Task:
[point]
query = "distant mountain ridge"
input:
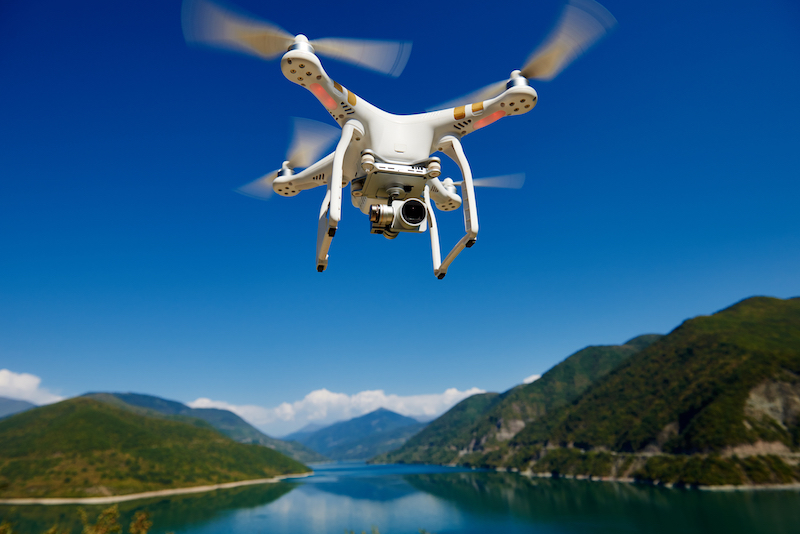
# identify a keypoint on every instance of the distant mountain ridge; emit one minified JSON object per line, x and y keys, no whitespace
{"x":224,"y":421}
{"x":82,"y":447}
{"x":12,"y":406}
{"x":362,"y":437}
{"x":484,"y":421}
{"x":304,"y":432}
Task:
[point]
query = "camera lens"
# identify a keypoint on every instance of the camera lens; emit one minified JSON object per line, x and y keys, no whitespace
{"x":413,"y":212}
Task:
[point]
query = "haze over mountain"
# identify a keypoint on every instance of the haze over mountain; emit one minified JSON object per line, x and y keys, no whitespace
{"x":224,"y":421}
{"x":12,"y":406}
{"x":362,"y":437}
{"x":304,"y":432}
{"x":83,"y":447}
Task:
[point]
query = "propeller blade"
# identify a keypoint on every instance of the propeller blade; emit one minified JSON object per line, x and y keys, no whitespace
{"x":484,"y":93}
{"x":506,"y":181}
{"x":309,"y":141}
{"x":582,"y":23}
{"x":261,"y":188}
{"x":386,"y":57}
{"x":208,"y":23}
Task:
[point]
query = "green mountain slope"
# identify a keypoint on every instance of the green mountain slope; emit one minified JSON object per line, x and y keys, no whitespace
{"x":363,"y":437}
{"x":715,"y":383}
{"x":435,"y":443}
{"x":484,"y":423}
{"x":82,"y":447}
{"x":225,"y":421}
{"x":12,"y":406}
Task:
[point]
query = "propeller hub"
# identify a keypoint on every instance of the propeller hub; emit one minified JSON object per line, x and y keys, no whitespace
{"x":516,"y":79}
{"x":286,"y":170}
{"x":301,"y":43}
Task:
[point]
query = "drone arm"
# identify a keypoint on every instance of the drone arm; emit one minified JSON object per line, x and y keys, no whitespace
{"x":314,"y":176}
{"x":451,"y":146}
{"x":331,"y":211}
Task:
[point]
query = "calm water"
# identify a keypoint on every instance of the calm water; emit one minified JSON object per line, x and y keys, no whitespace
{"x":403,"y":499}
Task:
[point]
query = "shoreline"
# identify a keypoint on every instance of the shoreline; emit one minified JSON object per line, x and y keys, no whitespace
{"x":628,"y":480}
{"x":111,"y":499}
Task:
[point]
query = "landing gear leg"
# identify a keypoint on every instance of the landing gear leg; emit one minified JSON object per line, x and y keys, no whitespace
{"x":451,"y":146}
{"x":331,"y":211}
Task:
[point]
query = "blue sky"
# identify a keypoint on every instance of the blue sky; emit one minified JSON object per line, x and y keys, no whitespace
{"x":662,"y":183}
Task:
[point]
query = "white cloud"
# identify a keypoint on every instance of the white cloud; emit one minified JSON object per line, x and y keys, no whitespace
{"x":324,"y":406}
{"x":532,"y":378}
{"x":25,"y":386}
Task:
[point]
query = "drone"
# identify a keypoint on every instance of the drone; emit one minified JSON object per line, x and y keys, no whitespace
{"x":388,"y":160}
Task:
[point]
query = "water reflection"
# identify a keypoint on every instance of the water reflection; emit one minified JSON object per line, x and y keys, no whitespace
{"x":574,"y":505}
{"x":373,"y":483}
{"x":177,"y":513}
{"x":402,"y":499}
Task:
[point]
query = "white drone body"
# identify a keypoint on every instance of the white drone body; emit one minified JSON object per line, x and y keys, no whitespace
{"x":388,"y":159}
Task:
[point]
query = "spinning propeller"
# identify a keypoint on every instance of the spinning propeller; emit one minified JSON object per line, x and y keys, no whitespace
{"x":506,"y":181}
{"x":205,"y":22}
{"x":309,"y":141}
{"x":582,"y":23}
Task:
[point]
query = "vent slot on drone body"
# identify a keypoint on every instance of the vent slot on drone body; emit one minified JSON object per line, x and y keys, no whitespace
{"x":319,"y":177}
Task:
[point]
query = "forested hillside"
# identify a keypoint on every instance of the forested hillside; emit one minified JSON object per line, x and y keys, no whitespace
{"x":225,"y":421}
{"x":485,"y":421}
{"x":82,"y":447}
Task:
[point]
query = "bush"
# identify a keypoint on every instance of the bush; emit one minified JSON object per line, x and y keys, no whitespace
{"x":107,"y":523}
{"x":662,"y":468}
{"x":756,"y":470}
{"x":575,"y":462}
{"x":711,"y":471}
{"x":782,"y":471}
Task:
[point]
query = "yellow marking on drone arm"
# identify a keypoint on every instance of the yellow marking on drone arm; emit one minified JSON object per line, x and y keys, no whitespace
{"x":459,"y":112}
{"x":477,"y":107}
{"x":351,"y":98}
{"x":337,"y":86}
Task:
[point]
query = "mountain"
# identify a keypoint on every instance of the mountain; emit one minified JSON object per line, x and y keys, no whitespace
{"x":716,"y":402}
{"x":363,"y":437}
{"x":83,"y":447}
{"x":713,"y":384}
{"x":224,"y":421}
{"x":12,"y":406}
{"x":486,"y":421}
{"x":307,"y":430}
{"x":434,"y":443}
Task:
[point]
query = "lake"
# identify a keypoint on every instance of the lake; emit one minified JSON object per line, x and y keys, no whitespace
{"x":402,"y":499}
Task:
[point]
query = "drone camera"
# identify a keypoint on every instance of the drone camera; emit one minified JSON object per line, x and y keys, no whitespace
{"x":413,"y":212}
{"x":408,"y":215}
